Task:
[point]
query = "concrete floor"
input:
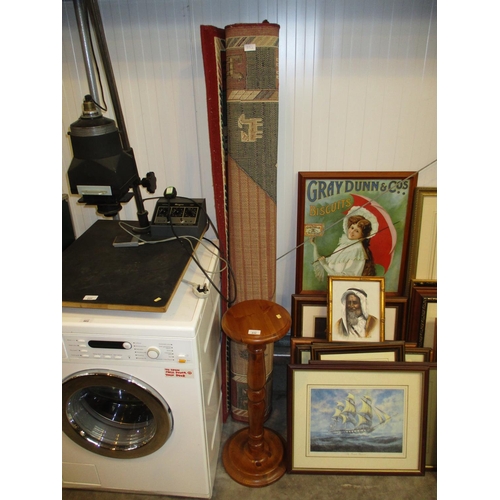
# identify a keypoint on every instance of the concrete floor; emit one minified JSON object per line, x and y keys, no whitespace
{"x":293,"y":486}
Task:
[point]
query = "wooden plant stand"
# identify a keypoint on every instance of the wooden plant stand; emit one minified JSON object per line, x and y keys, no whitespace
{"x":255,"y":455}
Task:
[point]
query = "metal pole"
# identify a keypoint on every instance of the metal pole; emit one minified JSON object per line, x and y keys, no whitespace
{"x":108,"y":69}
{"x":83,"y":28}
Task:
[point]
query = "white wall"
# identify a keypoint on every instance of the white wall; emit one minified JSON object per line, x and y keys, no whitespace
{"x":357,"y":93}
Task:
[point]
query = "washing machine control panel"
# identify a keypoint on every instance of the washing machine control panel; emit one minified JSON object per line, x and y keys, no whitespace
{"x":143,"y":349}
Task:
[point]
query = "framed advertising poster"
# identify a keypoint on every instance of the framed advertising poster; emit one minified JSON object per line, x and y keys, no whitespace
{"x":353,"y":224}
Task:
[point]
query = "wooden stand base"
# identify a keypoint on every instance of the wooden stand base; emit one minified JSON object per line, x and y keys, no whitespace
{"x":245,"y":469}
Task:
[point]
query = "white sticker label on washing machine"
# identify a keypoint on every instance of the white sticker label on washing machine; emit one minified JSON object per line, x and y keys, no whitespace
{"x":178,"y":373}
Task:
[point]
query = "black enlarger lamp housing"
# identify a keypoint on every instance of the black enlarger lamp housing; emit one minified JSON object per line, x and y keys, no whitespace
{"x":101,"y":171}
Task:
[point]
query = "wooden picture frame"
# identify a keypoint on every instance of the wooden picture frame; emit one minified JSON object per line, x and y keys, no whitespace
{"x":422,"y":315}
{"x":422,"y":256}
{"x":395,"y":318}
{"x":326,"y":200}
{"x":434,"y":348}
{"x":418,"y":354}
{"x":300,"y":349}
{"x":318,"y":443}
{"x":309,"y":316}
{"x":373,"y":351}
{"x":431,"y":438}
{"x":305,"y":350}
{"x":369,"y":295}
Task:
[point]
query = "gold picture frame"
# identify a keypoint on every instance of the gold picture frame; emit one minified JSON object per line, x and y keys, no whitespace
{"x":369,"y":294}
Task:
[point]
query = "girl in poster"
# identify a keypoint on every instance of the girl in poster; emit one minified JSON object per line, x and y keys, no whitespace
{"x":352,"y":256}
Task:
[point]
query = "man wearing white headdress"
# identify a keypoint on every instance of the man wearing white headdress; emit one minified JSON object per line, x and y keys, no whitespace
{"x":353,"y":256}
{"x":355,"y":322}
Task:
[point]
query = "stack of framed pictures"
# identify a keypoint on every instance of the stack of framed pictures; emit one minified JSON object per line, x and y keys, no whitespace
{"x":362,"y":378}
{"x":399,"y":244}
{"x":421,"y":275}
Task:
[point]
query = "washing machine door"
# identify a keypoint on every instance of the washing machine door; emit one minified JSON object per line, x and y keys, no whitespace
{"x":114,"y":414}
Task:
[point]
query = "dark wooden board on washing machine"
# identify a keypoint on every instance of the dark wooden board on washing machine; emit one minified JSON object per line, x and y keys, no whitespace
{"x":95,"y":274}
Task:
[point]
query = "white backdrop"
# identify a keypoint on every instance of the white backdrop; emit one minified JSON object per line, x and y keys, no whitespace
{"x":357,"y":93}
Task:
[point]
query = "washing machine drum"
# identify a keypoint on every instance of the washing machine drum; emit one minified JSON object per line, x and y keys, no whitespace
{"x":113,"y":414}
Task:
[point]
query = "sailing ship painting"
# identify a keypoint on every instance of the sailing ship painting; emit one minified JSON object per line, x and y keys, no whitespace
{"x":362,"y":420}
{"x":349,"y":420}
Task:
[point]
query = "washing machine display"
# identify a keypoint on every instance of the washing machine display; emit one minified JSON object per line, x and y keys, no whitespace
{"x":142,"y":393}
{"x":114,"y":415}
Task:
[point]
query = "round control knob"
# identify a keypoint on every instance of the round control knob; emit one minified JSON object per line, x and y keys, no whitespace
{"x":127,"y":345}
{"x":153,"y":352}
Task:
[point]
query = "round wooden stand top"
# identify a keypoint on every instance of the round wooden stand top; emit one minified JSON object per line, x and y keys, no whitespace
{"x":256,"y":322}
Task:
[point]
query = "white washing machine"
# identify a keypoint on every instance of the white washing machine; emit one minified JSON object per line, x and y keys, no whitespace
{"x":141,"y":394}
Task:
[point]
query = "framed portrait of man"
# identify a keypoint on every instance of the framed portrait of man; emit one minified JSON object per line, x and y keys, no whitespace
{"x":356,"y":309}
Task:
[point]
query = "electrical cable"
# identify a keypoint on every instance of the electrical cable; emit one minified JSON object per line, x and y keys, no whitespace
{"x":230,"y":273}
{"x":222,"y":252}
{"x":186,"y":239}
{"x":181,"y":240}
{"x":230,"y":270}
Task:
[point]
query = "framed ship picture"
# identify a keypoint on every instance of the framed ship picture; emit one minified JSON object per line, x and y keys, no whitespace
{"x":353,"y":224}
{"x":358,"y":418}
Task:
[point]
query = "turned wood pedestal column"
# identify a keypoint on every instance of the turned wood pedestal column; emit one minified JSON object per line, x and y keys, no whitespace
{"x":255,"y":456}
